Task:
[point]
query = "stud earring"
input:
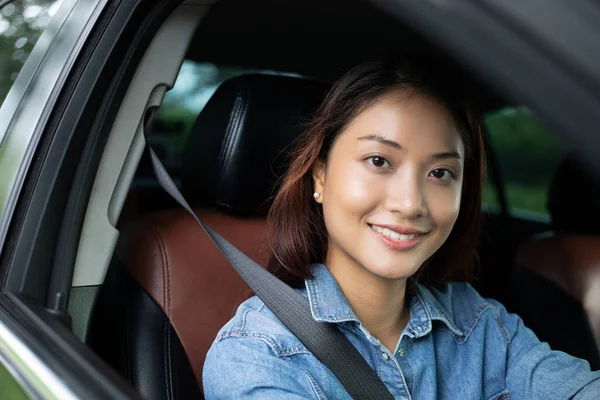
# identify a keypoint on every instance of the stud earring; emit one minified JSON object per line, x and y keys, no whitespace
{"x":316,"y":195}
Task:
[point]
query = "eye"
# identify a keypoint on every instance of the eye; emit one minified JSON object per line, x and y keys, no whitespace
{"x":378,"y":162}
{"x":442,"y":174}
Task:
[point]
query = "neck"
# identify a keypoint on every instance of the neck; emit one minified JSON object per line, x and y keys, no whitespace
{"x":378,"y":303}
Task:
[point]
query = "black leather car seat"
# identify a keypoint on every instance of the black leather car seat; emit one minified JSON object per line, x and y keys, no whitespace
{"x":169,"y":290}
{"x":559,"y":272}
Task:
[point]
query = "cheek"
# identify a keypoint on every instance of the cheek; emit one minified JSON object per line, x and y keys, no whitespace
{"x":444,"y":206}
{"x":349,"y":190}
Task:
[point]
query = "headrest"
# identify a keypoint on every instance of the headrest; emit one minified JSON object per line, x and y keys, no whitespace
{"x":237,"y":147}
{"x":574,"y":198}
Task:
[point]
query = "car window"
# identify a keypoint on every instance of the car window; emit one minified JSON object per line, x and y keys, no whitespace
{"x":9,"y":387}
{"x":527,"y":155}
{"x":194,"y":86}
{"x":21,"y":24}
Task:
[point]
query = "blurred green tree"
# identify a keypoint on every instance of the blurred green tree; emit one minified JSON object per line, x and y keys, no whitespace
{"x":21,"y":24}
{"x":527,"y":154}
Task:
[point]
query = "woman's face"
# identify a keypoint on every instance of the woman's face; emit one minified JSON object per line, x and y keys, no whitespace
{"x":391,"y":187}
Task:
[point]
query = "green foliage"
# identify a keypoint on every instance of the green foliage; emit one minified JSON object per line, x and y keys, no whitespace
{"x":21,"y":24}
{"x":527,"y":151}
{"x":527,"y":154}
{"x":175,"y":122}
{"x":9,"y":388}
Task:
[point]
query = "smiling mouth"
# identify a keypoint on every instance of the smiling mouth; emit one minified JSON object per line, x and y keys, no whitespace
{"x":395,"y":235}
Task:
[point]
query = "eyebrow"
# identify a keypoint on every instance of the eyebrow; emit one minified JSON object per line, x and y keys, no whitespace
{"x":446,"y":154}
{"x":382,"y":140}
{"x":396,"y":145}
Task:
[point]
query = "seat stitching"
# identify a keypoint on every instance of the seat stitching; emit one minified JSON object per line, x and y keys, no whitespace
{"x":225,"y":141}
{"x":232,"y":131}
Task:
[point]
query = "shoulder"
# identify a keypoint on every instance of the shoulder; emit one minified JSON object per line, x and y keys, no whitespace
{"x":254,"y":340}
{"x":254,"y":322}
{"x":464,"y":308}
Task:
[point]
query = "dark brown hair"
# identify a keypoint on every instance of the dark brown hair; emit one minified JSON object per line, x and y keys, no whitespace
{"x":297,"y":232}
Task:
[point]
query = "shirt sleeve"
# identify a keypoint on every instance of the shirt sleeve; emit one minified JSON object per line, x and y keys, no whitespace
{"x":534,"y":371}
{"x":246,"y":368}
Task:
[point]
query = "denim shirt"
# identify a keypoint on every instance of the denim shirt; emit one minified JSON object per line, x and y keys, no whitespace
{"x":456,"y":345}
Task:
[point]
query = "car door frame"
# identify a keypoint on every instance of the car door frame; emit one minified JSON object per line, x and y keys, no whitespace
{"x":48,"y":361}
{"x":72,"y":86}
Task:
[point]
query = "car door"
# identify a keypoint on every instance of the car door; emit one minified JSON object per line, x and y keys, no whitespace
{"x":59,"y":97}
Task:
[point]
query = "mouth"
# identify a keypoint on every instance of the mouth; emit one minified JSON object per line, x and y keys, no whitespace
{"x":406,"y":234}
{"x":403,"y":240}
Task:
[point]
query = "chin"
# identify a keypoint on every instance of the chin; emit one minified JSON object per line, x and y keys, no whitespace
{"x":392,"y":271}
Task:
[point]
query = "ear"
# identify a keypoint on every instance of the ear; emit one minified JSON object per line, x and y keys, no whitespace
{"x":318,"y":174}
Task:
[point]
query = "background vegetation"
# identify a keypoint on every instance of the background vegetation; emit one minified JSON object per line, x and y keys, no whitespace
{"x":21,"y":24}
{"x":527,"y":153}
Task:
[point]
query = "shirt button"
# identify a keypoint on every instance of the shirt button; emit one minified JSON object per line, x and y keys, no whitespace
{"x":385,"y":356}
{"x":401,"y":352}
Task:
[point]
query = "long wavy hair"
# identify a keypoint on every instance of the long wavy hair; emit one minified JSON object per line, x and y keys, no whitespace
{"x":297,"y":232}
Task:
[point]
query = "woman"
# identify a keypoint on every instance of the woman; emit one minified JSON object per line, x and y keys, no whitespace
{"x":378,"y":212}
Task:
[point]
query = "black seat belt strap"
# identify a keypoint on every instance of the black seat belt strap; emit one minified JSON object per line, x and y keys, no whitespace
{"x":324,"y":340}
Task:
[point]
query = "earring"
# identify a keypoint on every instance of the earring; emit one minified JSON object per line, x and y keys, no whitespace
{"x":316,"y":195}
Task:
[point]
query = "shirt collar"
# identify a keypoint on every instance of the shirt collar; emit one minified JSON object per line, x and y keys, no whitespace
{"x":424,"y":309}
{"x":328,"y":304}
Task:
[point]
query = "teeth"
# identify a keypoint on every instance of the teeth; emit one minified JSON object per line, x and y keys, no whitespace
{"x":394,"y":235}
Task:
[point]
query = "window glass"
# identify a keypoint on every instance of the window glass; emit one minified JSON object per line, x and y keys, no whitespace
{"x":527,"y":155}
{"x":9,"y":387}
{"x":194,"y":86}
{"x":21,"y":24}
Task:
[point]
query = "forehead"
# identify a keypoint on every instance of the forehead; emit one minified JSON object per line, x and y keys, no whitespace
{"x":409,"y":118}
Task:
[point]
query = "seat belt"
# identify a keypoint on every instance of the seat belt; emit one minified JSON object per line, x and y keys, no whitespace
{"x":324,"y":340}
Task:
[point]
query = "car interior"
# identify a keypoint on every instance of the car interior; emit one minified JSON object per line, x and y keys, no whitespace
{"x":150,"y":290}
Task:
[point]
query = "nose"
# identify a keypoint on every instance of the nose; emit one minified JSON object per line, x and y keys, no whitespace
{"x":405,"y":196}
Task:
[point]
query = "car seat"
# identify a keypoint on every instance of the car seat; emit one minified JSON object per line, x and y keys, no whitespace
{"x":169,"y":290}
{"x":558,"y":276}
